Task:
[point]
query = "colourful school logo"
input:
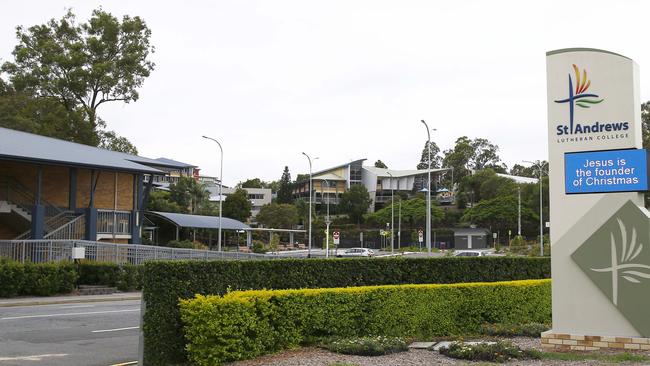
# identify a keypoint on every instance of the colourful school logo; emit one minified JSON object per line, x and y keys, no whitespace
{"x":578,"y":96}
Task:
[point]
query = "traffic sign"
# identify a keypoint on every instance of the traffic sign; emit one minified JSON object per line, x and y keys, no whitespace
{"x":420,"y":236}
{"x":336,"y":236}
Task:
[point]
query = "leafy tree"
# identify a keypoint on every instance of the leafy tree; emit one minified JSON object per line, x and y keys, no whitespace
{"x":469,"y":155}
{"x":523,"y":171}
{"x":355,"y":202}
{"x":485,"y":184}
{"x":302,"y":207}
{"x":302,"y":177}
{"x":414,"y":213}
{"x":436,"y":161}
{"x":380,"y":164}
{"x":498,"y":214}
{"x":111,"y":141}
{"x":278,"y":216}
{"x":252,"y":183}
{"x":190,"y":194}
{"x":20,"y":110}
{"x":161,"y":201}
{"x":285,"y":188}
{"x":83,"y":65}
{"x":237,"y":205}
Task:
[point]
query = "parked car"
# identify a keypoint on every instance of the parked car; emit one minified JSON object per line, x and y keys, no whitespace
{"x":470,"y":253}
{"x":355,"y":252}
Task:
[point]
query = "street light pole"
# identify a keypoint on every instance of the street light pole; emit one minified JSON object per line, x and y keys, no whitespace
{"x":399,"y":225}
{"x":327,"y":221}
{"x":428,"y":234}
{"x":519,"y":210}
{"x":310,"y":193}
{"x":220,"y":190}
{"x":540,"y":166}
{"x":392,"y":215}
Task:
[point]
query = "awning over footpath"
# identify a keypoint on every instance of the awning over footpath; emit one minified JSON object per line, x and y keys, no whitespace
{"x":201,"y":222}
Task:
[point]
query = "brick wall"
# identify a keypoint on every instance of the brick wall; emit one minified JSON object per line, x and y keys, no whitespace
{"x":572,"y":342}
{"x":105,"y":191}
{"x":56,"y":185}
{"x":7,"y":232}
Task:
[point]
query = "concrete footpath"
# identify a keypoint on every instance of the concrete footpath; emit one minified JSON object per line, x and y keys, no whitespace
{"x":68,"y":299}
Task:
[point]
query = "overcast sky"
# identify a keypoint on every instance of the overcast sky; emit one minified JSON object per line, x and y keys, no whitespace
{"x":346,"y":80}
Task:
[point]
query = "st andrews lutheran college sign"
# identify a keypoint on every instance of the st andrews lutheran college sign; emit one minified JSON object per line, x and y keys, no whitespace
{"x":600,"y":230}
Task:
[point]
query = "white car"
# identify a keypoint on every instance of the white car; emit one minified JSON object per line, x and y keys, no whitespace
{"x":355,"y":252}
{"x":470,"y":253}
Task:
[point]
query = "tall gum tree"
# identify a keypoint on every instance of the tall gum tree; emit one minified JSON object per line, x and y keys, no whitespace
{"x":83,"y":65}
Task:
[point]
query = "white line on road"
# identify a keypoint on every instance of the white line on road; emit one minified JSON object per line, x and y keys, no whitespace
{"x":67,"y":314}
{"x":32,"y":358}
{"x":113,"y":330}
{"x":76,"y":306}
{"x":126,"y":363}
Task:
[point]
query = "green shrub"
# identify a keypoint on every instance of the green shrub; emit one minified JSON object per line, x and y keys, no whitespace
{"x":167,"y":281}
{"x":258,"y":247}
{"x":126,"y":277}
{"x":12,"y":278}
{"x":367,"y":346}
{"x":187,"y":244}
{"x":492,"y":352}
{"x":513,"y":330}
{"x":42,"y":279}
{"x":246,"y":324}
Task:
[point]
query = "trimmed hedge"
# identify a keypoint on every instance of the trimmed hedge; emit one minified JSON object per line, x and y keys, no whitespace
{"x":247,"y":324}
{"x":165,"y":282}
{"x":43,"y":279}
{"x":46,"y":279}
{"x":126,"y":277}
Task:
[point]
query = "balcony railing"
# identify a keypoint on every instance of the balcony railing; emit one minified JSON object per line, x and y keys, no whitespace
{"x":113,"y":222}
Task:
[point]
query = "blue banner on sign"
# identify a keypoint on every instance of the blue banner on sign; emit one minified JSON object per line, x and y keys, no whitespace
{"x":606,"y":171}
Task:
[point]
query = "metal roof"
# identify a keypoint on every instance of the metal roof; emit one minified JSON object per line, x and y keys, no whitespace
{"x":201,"y":222}
{"x":338,"y":166}
{"x":23,"y":146}
{"x":518,"y":179}
{"x":171,"y":162}
{"x":328,"y":176}
{"x":383,"y":172}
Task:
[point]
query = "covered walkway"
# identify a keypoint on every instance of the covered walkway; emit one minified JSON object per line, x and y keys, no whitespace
{"x":212,"y":223}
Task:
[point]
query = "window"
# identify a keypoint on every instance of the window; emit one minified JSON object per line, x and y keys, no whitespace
{"x":255,"y":196}
{"x":355,"y":172}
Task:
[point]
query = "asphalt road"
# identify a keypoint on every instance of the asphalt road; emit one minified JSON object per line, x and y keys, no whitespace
{"x":83,"y":334}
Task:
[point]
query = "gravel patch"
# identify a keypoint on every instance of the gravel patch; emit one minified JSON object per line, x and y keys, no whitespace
{"x":312,"y":356}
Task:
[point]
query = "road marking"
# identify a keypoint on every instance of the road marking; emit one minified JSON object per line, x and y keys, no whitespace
{"x":126,"y":363}
{"x":67,"y":314}
{"x":113,"y":330}
{"x":76,"y":306}
{"x":32,"y":358}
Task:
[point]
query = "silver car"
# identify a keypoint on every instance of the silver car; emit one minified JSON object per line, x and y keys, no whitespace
{"x":356,"y":252}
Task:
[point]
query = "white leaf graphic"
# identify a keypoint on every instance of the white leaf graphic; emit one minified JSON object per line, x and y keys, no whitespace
{"x":628,"y":254}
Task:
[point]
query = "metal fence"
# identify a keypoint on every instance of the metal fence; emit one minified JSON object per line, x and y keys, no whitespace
{"x":113,"y":222}
{"x":41,"y":251}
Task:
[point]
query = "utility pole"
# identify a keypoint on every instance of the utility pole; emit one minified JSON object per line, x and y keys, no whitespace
{"x":428,"y":233}
{"x":399,"y":226}
{"x":310,"y":194}
{"x":519,"y":210}
{"x":327,"y":221}
{"x":540,"y":166}
{"x":392,"y":215}
{"x":220,"y":190}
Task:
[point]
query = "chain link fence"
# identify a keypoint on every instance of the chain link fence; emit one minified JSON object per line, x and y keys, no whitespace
{"x":42,"y":251}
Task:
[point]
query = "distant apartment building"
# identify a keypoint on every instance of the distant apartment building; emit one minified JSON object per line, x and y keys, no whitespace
{"x":173,"y":172}
{"x":329,"y":184}
{"x":257,"y":196}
